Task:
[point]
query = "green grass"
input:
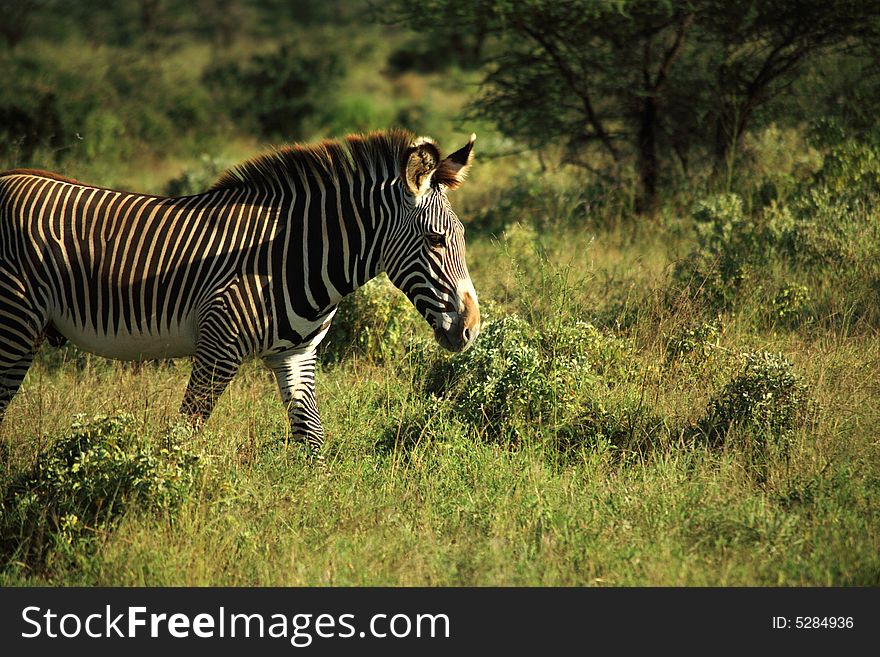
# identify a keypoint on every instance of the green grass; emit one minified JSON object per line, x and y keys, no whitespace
{"x":445,"y":503}
{"x":606,"y":472}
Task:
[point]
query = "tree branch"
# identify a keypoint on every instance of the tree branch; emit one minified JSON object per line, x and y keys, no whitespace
{"x":574,"y":84}
{"x":673,"y":52}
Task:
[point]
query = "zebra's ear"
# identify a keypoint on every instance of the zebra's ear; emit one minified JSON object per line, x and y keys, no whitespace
{"x":453,"y":169}
{"x":422,"y":160}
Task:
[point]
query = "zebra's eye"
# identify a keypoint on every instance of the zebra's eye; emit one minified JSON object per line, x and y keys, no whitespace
{"x":436,"y":240}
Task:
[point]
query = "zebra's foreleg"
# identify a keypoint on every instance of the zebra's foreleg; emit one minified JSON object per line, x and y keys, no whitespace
{"x":295,"y":374}
{"x":211,"y":373}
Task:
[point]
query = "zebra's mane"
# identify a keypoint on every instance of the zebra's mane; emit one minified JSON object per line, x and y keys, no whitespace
{"x":373,"y":153}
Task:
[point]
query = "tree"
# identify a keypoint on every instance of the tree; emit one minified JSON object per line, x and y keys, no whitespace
{"x":763,"y":49}
{"x":17,"y":15}
{"x":641,"y":82}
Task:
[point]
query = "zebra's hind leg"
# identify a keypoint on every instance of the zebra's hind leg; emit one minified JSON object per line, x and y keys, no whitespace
{"x":19,"y":342}
{"x":211,"y":373}
{"x":295,"y":374}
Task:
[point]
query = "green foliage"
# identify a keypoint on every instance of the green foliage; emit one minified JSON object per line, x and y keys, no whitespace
{"x":103,"y":105}
{"x":650,"y":83}
{"x":700,"y":340}
{"x":850,"y":169}
{"x":280,"y":92}
{"x":347,"y":113}
{"x":85,"y":482}
{"x":30,"y":120}
{"x":766,"y":400}
{"x":834,"y":229}
{"x":516,"y":378}
{"x":826,"y":233}
{"x":503,"y":377}
{"x":727,"y":246}
{"x":775,"y":161}
{"x":791,"y":305}
{"x":198,"y":178}
{"x":376,"y":323}
{"x":814,"y":247}
{"x":547,"y":202}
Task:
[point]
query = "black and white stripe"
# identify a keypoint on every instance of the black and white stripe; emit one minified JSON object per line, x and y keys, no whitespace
{"x":253,"y":267}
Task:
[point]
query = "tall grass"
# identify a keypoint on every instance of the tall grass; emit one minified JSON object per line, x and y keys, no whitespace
{"x":622,"y":429}
{"x":691,"y":399}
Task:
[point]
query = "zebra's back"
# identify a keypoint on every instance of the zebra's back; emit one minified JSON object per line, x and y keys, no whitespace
{"x":127,"y":275}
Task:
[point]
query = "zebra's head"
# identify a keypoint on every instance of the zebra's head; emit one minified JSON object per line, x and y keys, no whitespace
{"x":425,"y":254}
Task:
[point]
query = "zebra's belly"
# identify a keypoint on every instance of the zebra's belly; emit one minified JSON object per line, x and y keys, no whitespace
{"x":127,"y":345}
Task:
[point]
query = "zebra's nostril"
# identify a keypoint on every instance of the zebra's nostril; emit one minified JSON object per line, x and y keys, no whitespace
{"x":466,"y":334}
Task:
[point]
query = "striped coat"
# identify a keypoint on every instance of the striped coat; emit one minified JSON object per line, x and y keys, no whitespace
{"x":255,"y":266}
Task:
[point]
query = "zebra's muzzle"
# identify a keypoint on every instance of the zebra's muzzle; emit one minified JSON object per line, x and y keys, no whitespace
{"x":457,"y":331}
{"x":454,"y":339}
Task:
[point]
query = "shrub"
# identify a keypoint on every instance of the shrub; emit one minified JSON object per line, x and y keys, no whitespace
{"x":501,"y":378}
{"x":104,"y":136}
{"x":516,"y":378}
{"x":777,"y":158}
{"x":60,"y":102}
{"x":277,"y":92}
{"x":28,"y":125}
{"x":85,"y":482}
{"x":727,"y":247}
{"x":824,"y":232}
{"x":198,"y":178}
{"x":827,"y":223}
{"x":376,"y":322}
{"x":699,"y":340}
{"x":345,"y":113}
{"x":522,"y":198}
{"x":546,"y":200}
{"x":766,"y":399}
{"x":791,"y":305}
{"x":851,"y":171}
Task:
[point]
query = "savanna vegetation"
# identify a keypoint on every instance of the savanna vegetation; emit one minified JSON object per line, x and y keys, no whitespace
{"x":674,"y":228}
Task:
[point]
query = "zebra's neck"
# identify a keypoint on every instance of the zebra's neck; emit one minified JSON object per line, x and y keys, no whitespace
{"x":345,"y":222}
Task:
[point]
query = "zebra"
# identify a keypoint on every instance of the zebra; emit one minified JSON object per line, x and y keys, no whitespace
{"x":253,"y":267}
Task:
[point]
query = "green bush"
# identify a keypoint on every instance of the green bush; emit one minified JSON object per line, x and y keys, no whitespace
{"x":348,"y":113}
{"x":516,"y":378}
{"x":198,"y":178}
{"x":502,"y":377}
{"x":700,"y":340}
{"x":791,"y":305}
{"x":766,"y":399}
{"x":829,"y":235}
{"x":104,"y":136}
{"x":280,"y":92}
{"x":823,"y":235}
{"x":777,"y":159}
{"x":851,"y":171}
{"x":727,"y":247}
{"x":60,"y":102}
{"x":85,"y":482}
{"x":376,"y":322}
{"x":540,"y":200}
{"x":827,"y":224}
